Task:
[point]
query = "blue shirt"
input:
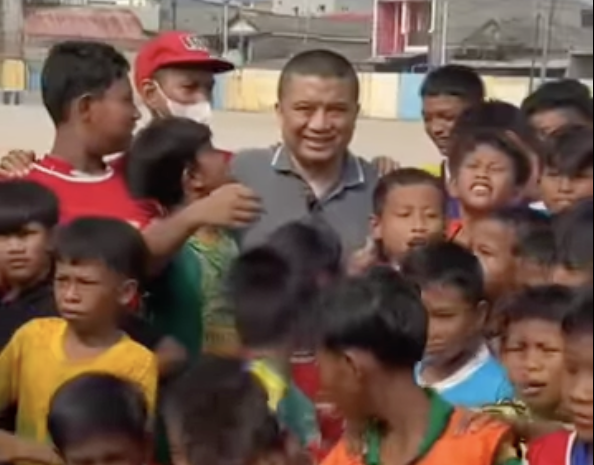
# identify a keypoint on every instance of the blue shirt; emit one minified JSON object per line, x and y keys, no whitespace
{"x":481,"y":381}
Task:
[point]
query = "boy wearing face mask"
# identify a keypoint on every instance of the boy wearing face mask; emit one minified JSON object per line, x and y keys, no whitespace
{"x":175,"y":75}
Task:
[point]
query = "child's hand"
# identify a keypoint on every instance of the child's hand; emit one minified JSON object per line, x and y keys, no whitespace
{"x":363,"y":259}
{"x":385,"y":165}
{"x":16,"y":163}
{"x":13,"y":449}
{"x":171,"y":356}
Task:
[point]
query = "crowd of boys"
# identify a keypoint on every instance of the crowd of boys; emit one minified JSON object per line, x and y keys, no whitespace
{"x":138,"y":325}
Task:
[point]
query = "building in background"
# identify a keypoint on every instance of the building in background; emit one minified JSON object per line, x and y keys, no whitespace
{"x":401,"y":27}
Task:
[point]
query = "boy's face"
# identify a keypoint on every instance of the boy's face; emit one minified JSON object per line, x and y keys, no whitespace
{"x":454,"y":323}
{"x":530,"y":273}
{"x":571,"y":277}
{"x":107,"y":450}
{"x":533,"y":355}
{"x":182,"y":85}
{"x":559,"y":191}
{"x":440,"y":114}
{"x":577,"y":382}
{"x":90,"y":295}
{"x":342,"y":380}
{"x":111,"y":118}
{"x":485,"y":180}
{"x":411,"y":217}
{"x":546,"y":122}
{"x":210,"y":172}
{"x":493,"y":242}
{"x":24,"y":255}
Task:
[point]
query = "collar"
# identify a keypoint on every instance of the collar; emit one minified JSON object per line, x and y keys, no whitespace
{"x":273,"y":382}
{"x":353,"y":174}
{"x":481,"y":357}
{"x":60,"y":168}
{"x":439,"y":419}
{"x":578,"y":452}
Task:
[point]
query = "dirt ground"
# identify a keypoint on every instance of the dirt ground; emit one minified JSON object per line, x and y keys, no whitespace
{"x":28,"y":127}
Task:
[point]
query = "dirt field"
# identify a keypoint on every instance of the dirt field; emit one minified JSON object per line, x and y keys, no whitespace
{"x":28,"y":127}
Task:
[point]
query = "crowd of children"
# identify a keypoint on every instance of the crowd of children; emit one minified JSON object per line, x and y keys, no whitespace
{"x":134,"y":329}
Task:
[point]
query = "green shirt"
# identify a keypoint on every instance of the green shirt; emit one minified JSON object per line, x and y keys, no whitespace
{"x":439,"y":419}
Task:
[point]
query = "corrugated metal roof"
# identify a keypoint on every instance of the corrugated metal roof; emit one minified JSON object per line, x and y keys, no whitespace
{"x":107,"y":24}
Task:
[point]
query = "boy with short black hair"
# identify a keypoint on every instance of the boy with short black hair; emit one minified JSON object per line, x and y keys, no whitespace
{"x":97,"y":415}
{"x":373,"y":332}
{"x":490,"y":170}
{"x":172,"y":161}
{"x":217,"y":414}
{"x":272,"y":302}
{"x":496,"y":115}
{"x":566,"y":447}
{"x":536,"y":258}
{"x":532,"y":347}
{"x":573,"y":233}
{"x":457,"y":362}
{"x":567,"y":173}
{"x":28,"y":214}
{"x":446,"y":93}
{"x":99,"y":266}
{"x":495,"y":240}
{"x":559,"y":103}
{"x":409,"y":212}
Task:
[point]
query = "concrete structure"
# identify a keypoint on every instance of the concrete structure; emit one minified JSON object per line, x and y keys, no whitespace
{"x":321,"y":7}
{"x":401,"y":26}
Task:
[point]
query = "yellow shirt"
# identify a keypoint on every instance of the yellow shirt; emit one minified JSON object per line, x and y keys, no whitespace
{"x":33,"y":366}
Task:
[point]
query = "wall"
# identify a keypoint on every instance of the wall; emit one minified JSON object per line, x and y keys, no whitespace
{"x":383,"y":96}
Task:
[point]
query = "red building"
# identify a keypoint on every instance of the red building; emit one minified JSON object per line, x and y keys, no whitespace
{"x":401,"y":26}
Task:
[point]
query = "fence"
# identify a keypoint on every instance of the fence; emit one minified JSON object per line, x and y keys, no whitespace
{"x":383,"y":96}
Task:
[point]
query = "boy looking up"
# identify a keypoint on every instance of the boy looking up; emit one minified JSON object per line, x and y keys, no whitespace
{"x":99,"y":266}
{"x":373,"y":332}
{"x":457,"y":362}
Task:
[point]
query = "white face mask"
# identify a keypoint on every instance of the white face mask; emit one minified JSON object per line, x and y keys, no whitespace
{"x":201,"y":112}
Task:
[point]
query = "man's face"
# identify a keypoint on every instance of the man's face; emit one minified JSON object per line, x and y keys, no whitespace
{"x":182,"y":85}
{"x":317,"y":117}
{"x":440,"y":114}
{"x":111,"y":118}
{"x":548,"y":121}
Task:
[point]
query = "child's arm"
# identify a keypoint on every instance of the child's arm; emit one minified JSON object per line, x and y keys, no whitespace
{"x":9,"y":370}
{"x":13,"y":449}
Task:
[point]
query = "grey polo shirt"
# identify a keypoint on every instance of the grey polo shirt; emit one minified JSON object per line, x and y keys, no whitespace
{"x":286,"y":196}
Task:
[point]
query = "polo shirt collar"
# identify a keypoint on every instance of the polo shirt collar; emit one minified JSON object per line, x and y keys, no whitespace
{"x":439,"y":418}
{"x":353,"y":174}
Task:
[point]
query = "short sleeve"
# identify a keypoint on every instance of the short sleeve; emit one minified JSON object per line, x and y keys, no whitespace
{"x":147,"y":378}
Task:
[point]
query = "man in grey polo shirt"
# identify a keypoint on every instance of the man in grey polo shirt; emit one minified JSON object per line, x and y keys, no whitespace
{"x":312,"y":172}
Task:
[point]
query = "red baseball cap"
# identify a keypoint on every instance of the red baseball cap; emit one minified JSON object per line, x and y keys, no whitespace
{"x":176,"y":48}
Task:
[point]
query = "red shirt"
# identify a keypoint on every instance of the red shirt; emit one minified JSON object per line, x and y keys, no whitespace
{"x":91,"y":195}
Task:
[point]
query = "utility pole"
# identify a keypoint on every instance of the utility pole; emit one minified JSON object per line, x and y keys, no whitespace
{"x":438,"y":33}
{"x":548,"y":38}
